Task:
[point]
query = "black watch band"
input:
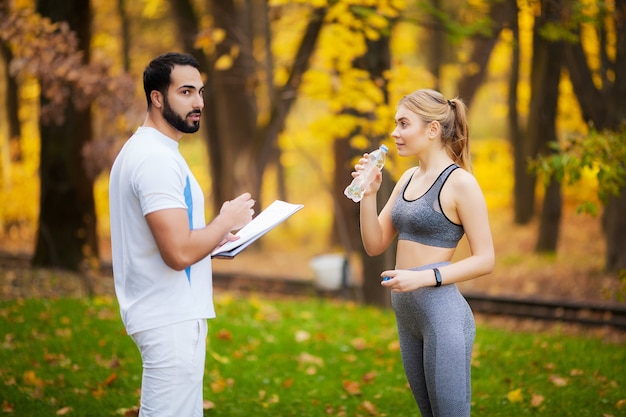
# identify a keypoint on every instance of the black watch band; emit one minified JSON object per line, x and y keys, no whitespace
{"x":437,"y":277}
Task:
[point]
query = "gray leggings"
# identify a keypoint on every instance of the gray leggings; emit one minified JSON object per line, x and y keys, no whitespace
{"x":436,"y":330}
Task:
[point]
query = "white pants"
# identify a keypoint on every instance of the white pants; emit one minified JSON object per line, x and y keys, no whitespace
{"x":173,"y":368}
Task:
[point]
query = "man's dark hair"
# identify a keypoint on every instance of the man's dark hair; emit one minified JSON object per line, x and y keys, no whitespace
{"x":156,"y":76}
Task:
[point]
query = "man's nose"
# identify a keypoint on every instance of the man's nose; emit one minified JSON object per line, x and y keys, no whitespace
{"x":199,"y":102}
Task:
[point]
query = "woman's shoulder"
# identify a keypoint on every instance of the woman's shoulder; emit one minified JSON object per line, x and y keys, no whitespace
{"x":408,"y":174}
{"x":463,"y":180}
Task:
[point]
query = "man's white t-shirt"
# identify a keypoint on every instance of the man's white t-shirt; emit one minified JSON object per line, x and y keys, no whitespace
{"x":148,"y":175}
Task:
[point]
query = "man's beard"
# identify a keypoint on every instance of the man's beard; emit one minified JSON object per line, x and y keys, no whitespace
{"x":178,"y":122}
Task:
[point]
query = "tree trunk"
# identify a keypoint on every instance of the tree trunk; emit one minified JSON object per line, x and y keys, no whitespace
{"x":284,"y":97}
{"x":373,"y":292}
{"x":550,"y":218}
{"x":545,"y":77}
{"x":592,"y":102}
{"x":229,"y":96}
{"x":516,"y":137}
{"x":11,"y":96}
{"x":614,"y":219}
{"x":124,"y":35}
{"x":502,"y":14}
{"x":614,"y":228}
{"x":235,"y":109}
{"x":605,"y":108}
{"x":67,"y":220}
{"x":376,"y":61}
{"x":5,"y":136}
{"x":435,"y":44}
{"x":345,"y":231}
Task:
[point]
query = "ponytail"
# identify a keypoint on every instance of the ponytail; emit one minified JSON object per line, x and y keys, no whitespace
{"x":457,"y":143}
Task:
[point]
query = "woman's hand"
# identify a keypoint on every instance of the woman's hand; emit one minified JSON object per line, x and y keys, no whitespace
{"x":374,"y":185}
{"x":405,"y":280}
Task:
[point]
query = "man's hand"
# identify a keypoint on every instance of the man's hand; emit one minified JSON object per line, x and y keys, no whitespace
{"x":239,"y":211}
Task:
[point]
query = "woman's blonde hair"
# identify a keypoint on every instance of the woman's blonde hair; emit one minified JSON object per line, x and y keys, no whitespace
{"x":431,"y":105}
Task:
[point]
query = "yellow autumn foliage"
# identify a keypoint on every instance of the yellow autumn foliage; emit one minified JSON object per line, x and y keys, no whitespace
{"x":224,"y":62}
{"x":331,"y":85}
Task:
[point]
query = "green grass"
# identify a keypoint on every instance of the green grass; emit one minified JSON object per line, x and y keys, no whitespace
{"x":306,"y":357}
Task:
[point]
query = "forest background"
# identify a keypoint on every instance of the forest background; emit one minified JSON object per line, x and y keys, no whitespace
{"x":296,"y":91}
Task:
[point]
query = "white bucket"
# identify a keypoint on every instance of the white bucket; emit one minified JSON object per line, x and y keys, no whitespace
{"x":329,"y":270}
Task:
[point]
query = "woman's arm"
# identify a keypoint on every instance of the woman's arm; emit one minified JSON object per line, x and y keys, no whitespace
{"x":377,"y":231}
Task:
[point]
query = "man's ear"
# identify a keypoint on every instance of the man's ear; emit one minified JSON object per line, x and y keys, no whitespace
{"x":157,"y":99}
{"x":434,"y":129}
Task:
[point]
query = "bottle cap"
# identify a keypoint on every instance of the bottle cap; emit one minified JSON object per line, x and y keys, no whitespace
{"x":384,"y":148}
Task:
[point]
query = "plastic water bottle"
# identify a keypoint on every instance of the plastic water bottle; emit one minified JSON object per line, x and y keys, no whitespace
{"x":357,"y":187}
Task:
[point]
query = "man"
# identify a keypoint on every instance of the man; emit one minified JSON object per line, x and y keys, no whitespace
{"x":161,"y":244}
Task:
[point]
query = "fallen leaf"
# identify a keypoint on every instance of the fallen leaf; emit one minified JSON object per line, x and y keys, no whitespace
{"x":350,"y":358}
{"x":621,"y":404}
{"x":128,"y":412}
{"x":359,"y":343}
{"x":219,"y":358}
{"x":558,"y":381}
{"x":307,"y":358}
{"x":536,"y":400}
{"x":208,"y":405}
{"x":369,"y":377}
{"x":352,"y":387}
{"x":394,"y":346}
{"x":221,"y":384}
{"x":7,"y":407}
{"x":63,"y":411}
{"x":515,"y":396}
{"x":321,"y":337}
{"x":302,"y":336}
{"x":30,"y":378}
{"x":224,"y":334}
{"x":63,"y":332}
{"x":110,"y":379}
{"x":8,"y":342}
{"x":369,"y":408}
{"x":51,"y":357}
{"x":98,"y":392}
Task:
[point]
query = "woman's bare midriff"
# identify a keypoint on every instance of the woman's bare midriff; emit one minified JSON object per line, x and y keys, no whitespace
{"x":412,"y":254}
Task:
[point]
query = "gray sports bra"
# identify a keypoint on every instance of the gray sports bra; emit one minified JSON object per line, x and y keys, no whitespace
{"x":422,"y":220}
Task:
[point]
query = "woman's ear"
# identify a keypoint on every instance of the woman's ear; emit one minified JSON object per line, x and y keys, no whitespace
{"x":157,"y":99}
{"x":434,"y":129}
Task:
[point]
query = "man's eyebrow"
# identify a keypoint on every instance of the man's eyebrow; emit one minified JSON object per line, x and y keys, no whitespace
{"x":189,"y":87}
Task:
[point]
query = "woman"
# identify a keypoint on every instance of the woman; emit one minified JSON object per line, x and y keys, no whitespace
{"x":430,"y":209}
